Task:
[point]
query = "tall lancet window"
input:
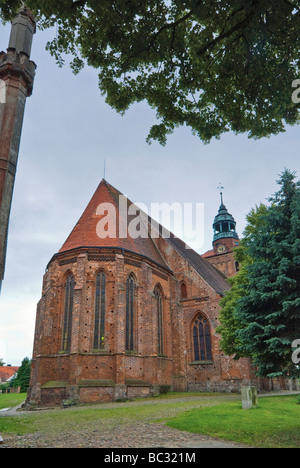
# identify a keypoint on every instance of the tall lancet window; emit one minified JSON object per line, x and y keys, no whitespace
{"x":99,"y":331}
{"x":68,"y":313}
{"x":130,"y":313}
{"x":159,"y":314}
{"x":202,"y":339}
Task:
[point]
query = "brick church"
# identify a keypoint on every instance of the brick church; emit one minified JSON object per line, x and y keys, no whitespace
{"x":121,"y":316}
{"x":124,"y":317}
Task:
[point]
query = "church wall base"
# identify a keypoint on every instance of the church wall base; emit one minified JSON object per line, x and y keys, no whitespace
{"x":221,"y":386}
{"x":55,"y":394}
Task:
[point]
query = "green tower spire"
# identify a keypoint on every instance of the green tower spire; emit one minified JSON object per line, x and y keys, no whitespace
{"x":224,"y":229}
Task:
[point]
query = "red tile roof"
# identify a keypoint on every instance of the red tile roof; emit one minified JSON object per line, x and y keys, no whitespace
{"x":84,"y":233}
{"x":210,"y":253}
{"x":6,"y":372}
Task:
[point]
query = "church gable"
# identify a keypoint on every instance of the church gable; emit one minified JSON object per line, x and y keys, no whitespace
{"x":106,"y":223}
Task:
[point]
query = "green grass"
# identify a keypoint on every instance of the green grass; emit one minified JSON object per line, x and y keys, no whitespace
{"x":275,"y":424}
{"x":9,"y":400}
{"x":89,"y":418}
{"x":12,"y":425}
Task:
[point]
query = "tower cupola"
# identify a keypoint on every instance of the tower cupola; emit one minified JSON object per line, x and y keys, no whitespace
{"x":225,"y":235}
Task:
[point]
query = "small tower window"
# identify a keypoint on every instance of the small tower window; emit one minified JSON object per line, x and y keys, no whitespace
{"x":183,"y":291}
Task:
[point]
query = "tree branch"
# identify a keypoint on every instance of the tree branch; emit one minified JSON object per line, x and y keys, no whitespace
{"x":170,"y":26}
{"x":163,"y":28}
{"x":227,"y":34}
{"x":78,"y":4}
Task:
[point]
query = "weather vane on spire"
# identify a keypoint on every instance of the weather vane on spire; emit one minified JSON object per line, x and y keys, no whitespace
{"x":221,"y":193}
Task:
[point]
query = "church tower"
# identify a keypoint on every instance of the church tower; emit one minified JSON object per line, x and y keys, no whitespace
{"x":17,"y":74}
{"x":225,"y":235}
{"x":224,"y":241}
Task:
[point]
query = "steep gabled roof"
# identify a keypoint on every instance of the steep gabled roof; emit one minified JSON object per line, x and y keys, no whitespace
{"x":85,"y":234}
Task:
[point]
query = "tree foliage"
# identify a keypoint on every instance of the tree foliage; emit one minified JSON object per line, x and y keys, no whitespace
{"x":266,"y":296}
{"x":23,"y":376}
{"x":230,"y":324}
{"x":212,"y":65}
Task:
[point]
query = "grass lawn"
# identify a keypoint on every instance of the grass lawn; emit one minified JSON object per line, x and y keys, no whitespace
{"x":9,"y":400}
{"x":275,"y":424}
{"x":88,"y":418}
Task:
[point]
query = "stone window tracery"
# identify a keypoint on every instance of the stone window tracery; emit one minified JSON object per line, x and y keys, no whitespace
{"x":201,"y":339}
{"x":99,"y":329}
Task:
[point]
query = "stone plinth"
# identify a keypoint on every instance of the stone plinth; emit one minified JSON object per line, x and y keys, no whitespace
{"x":249,"y":397}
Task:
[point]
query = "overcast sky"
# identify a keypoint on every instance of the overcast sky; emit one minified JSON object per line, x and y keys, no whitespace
{"x":68,"y":132}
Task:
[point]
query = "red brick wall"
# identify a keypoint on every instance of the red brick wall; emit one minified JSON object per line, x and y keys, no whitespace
{"x":225,"y":263}
{"x":201,"y":298}
{"x":175,"y":368}
{"x":50,"y":363}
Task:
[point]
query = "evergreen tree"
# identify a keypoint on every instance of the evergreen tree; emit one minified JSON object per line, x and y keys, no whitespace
{"x":268,"y":314}
{"x":228,"y":319}
{"x":23,"y":376}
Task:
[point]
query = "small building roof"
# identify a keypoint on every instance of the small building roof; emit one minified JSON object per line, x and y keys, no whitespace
{"x":6,"y":372}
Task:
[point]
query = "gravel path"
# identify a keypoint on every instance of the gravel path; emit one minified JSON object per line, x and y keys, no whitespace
{"x":128,"y":436}
{"x":114,"y":433}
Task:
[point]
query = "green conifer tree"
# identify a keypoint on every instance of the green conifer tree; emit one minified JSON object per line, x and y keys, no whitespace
{"x":23,"y":376}
{"x":228,"y":319}
{"x":268,"y":314}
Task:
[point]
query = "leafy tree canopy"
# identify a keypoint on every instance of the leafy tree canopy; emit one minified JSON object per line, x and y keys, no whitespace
{"x":212,"y":65}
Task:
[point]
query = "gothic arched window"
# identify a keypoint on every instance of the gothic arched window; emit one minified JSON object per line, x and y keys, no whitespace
{"x":130,"y":313}
{"x":68,"y":312}
{"x":159,"y":313}
{"x":99,"y":330}
{"x":201,"y":339}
